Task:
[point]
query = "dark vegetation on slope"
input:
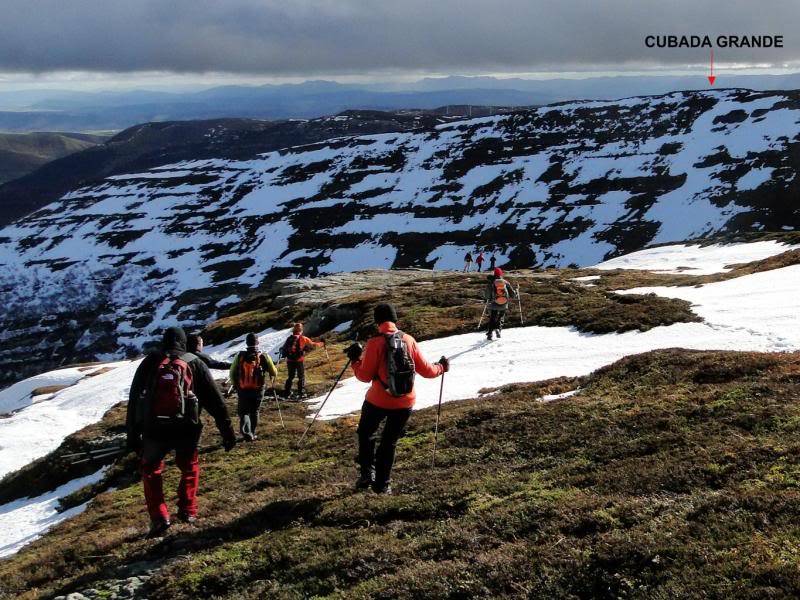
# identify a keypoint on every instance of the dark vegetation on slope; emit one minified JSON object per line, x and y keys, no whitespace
{"x":433,"y":305}
{"x":670,"y":474}
{"x":22,"y":153}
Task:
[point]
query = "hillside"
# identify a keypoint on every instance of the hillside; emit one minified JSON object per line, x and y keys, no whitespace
{"x":154,"y":144}
{"x":670,"y":473}
{"x":21,"y":154}
{"x":559,"y":185}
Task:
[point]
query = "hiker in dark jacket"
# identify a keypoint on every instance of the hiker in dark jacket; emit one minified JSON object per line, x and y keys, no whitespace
{"x":371,"y":366}
{"x":467,"y":262}
{"x":498,"y":294}
{"x":169,"y":390}
{"x":492,"y":263}
{"x":248,"y":375}
{"x":294,"y":350}
{"x":194,"y":344}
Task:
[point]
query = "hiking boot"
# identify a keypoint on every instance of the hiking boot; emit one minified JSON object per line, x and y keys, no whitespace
{"x":498,"y":334}
{"x":184,"y":517}
{"x":363,"y":483}
{"x":489,"y":336}
{"x":384,"y":489}
{"x":248,"y":437}
{"x":158,"y":528}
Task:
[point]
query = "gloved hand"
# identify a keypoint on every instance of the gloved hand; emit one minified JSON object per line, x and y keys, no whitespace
{"x":228,"y":439}
{"x":354,"y":351}
{"x":134,"y":441}
{"x":445,"y":364}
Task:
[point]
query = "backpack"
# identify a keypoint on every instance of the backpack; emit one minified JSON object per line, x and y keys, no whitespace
{"x":171,"y":397}
{"x":399,"y":365}
{"x":500,"y":292}
{"x":291,"y":348}
{"x":251,"y":375}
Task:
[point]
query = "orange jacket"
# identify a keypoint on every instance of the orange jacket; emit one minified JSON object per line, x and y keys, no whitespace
{"x":372,"y":366}
{"x":304,"y":342}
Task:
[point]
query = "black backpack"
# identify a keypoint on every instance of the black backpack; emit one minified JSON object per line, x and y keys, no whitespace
{"x":291,"y":348}
{"x":399,"y":365}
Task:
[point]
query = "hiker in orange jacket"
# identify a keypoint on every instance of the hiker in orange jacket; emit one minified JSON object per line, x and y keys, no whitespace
{"x":372,"y":366}
{"x":294,"y":350}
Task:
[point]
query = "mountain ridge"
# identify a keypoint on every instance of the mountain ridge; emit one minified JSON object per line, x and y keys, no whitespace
{"x":569,"y":184}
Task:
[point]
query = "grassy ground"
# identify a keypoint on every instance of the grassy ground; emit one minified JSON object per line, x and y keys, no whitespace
{"x":670,"y":474}
{"x":432,"y":307}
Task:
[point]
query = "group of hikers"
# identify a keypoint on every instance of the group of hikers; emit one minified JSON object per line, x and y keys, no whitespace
{"x":174,"y":384}
{"x":478,"y":259}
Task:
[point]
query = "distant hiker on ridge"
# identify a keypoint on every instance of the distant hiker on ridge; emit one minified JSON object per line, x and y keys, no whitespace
{"x":479,"y":261}
{"x":497,"y":293}
{"x":194,"y":344}
{"x":248,"y":377}
{"x":467,"y":262}
{"x":388,"y":363}
{"x":169,"y":390}
{"x":492,"y":262}
{"x":294,"y":350}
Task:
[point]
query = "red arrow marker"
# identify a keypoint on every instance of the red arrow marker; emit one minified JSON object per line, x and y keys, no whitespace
{"x":712,"y":78}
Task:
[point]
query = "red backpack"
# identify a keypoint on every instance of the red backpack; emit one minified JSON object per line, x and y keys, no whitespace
{"x":251,"y":375}
{"x":172,"y":398}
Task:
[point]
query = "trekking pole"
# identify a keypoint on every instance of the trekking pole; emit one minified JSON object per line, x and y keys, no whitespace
{"x":519,"y":300}
{"x":483,"y":314}
{"x":277,"y":402}
{"x":327,"y":356}
{"x":438,"y":416}
{"x":319,"y":410}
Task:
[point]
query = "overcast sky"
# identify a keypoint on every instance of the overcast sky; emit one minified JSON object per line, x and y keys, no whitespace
{"x":391,"y":38}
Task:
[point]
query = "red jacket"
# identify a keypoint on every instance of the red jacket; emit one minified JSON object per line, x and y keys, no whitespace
{"x":372,"y":366}
{"x":304,"y":342}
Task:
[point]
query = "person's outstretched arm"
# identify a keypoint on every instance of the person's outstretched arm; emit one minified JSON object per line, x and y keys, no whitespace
{"x":366,"y":367}
{"x":233,"y":372}
{"x":268,"y":366}
{"x":422,"y":366}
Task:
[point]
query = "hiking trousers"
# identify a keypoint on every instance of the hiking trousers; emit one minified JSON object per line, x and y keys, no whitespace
{"x":151,"y":467}
{"x":496,"y":319}
{"x":248,"y":405}
{"x":297,"y":368}
{"x":380,"y":463}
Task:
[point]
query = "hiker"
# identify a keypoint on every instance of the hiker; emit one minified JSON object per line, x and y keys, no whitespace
{"x":294,"y":350}
{"x":467,"y":262}
{"x":492,"y":263}
{"x":389,"y":398}
{"x":497,"y":293}
{"x":169,"y":390}
{"x":248,"y":375}
{"x":194,"y":344}
{"x":479,"y":261}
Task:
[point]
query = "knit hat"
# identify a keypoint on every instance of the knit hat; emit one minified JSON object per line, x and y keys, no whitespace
{"x":385,"y":312}
{"x":298,"y":328}
{"x":498,"y":272}
{"x":174,"y":339}
{"x":251,"y":340}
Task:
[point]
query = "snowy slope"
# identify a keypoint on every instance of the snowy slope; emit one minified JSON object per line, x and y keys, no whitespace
{"x":695,"y":259}
{"x":21,"y":395}
{"x":755,"y":312}
{"x":101,"y":270}
{"x":22,"y":521}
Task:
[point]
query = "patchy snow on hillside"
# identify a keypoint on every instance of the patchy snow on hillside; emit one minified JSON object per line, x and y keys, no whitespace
{"x":35,"y":431}
{"x":21,"y":395}
{"x":754,"y":312}
{"x":695,"y":259}
{"x":25,"y":520}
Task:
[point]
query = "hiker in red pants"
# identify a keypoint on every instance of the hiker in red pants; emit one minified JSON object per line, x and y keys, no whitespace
{"x":168,"y":392}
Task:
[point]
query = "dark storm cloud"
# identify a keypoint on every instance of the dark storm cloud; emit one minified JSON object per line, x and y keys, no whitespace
{"x":307,"y":37}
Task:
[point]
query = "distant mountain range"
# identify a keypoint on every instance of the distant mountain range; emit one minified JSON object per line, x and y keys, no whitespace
{"x":57,"y":110}
{"x":104,"y":268}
